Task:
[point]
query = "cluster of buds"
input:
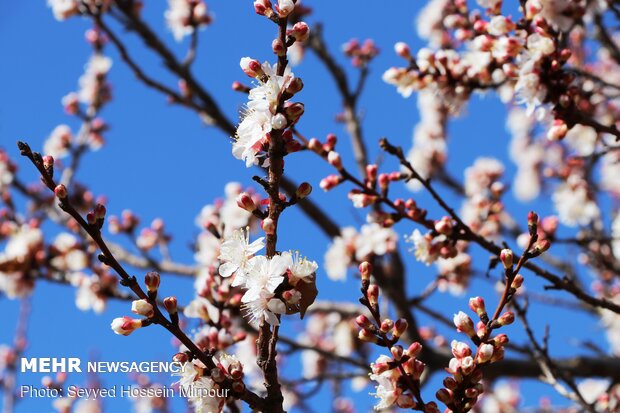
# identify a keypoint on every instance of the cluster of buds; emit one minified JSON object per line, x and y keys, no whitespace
{"x":96,"y":217}
{"x":127,"y":223}
{"x":283,"y":8}
{"x":398,"y":376}
{"x":463,"y":388}
{"x":360,"y":54}
{"x":145,"y":307}
{"x":154,"y":235}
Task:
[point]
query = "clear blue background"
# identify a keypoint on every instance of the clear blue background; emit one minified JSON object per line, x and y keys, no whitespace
{"x":160,"y":161}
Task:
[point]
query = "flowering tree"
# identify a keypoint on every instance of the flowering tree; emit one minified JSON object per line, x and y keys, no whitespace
{"x":554,"y":64}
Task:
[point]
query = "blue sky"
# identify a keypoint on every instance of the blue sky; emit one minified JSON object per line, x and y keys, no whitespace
{"x":160,"y":161}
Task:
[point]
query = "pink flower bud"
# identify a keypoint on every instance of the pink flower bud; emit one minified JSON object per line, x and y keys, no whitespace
{"x":300,"y":32}
{"x":403,"y":50}
{"x":414,"y":349}
{"x":373,"y":294}
{"x":500,"y":340}
{"x":400,"y":327}
{"x":507,"y":318}
{"x":143,"y":308}
{"x":468,"y":365}
{"x":99,"y":211}
{"x":532,"y":222}
{"x":365,"y":269}
{"x":477,"y":305}
{"x":90,"y":218}
{"x":397,"y":352}
{"x":268,"y":226}
{"x":330,"y":182}
{"x":245,"y":201}
{"x":387,"y":325}
{"x":540,"y":247}
{"x":334,"y":160}
{"x":460,"y":349}
{"x":367,"y":336}
{"x":330,"y":142}
{"x":444,"y":396}
{"x":449,"y":383}
{"x":315,"y":146}
{"x":60,"y":191}
{"x":303,"y":190}
{"x":48,"y":161}
{"x":152,"y":279}
{"x":371,"y":172}
{"x":294,"y":86}
{"x":444,"y":226}
{"x":262,"y":6}
{"x":285,"y":7}
{"x":293,"y":111}
{"x":431,"y":407}
{"x":471,"y":393}
{"x":517,"y":282}
{"x":363,"y":321}
{"x":384,"y":181}
{"x":251,"y":67}
{"x":485,"y":352}
{"x":170,"y":303}
{"x":279,"y":121}
{"x":464,"y":324}
{"x":125,"y":325}
{"x":506,"y":257}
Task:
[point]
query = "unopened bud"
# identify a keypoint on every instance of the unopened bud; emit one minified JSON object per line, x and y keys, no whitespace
{"x":251,"y":67}
{"x":464,"y":324}
{"x":245,"y":201}
{"x":477,"y":305}
{"x":373,"y":295}
{"x":300,"y":32}
{"x":444,"y":396}
{"x":99,"y":211}
{"x":387,"y":325}
{"x":303,"y":190}
{"x":60,"y":191}
{"x":540,"y":247}
{"x":444,"y":226}
{"x":268,"y":226}
{"x":279,"y":121}
{"x":262,"y":7}
{"x":293,"y":111}
{"x":143,"y":308}
{"x":334,"y":159}
{"x":330,"y":182}
{"x":285,"y":7}
{"x":403,"y":50}
{"x":125,"y":325}
{"x":170,"y":303}
{"x":414,"y":349}
{"x":400,"y":327}
{"x":506,"y":257}
{"x":152,"y":280}
{"x":365,"y":270}
{"x":294,"y":86}
{"x":532,"y":222}
{"x":367,"y":336}
{"x":485,"y":353}
{"x":397,"y":352}
{"x":507,"y":318}
{"x":517,"y":282}
{"x":363,"y":321}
